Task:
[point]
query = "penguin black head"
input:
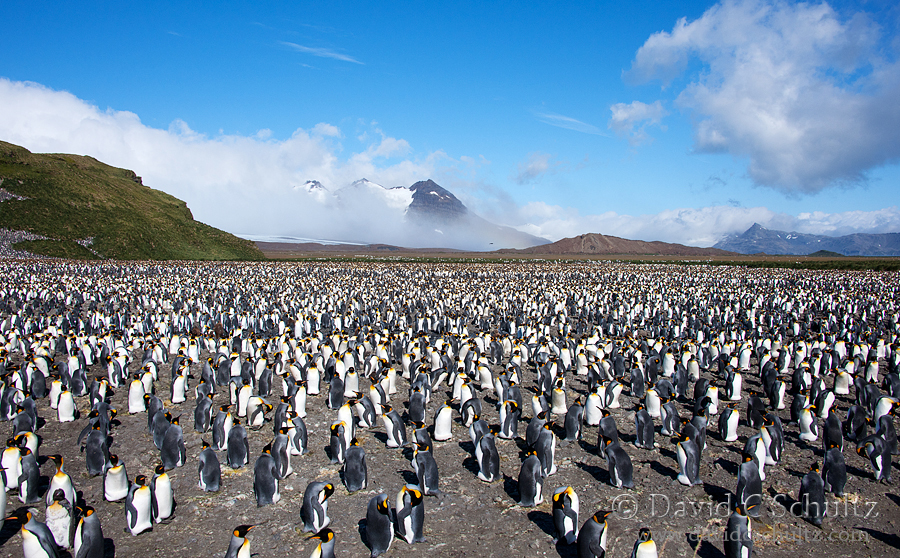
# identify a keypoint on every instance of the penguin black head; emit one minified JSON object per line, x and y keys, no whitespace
{"x":384,"y":506}
{"x":160,"y":469}
{"x":814,"y":467}
{"x":22,"y":515}
{"x":328,"y":489}
{"x":113,"y":459}
{"x":601,"y":516}
{"x":325,"y":535}
{"x":140,"y":480}
{"x":644,"y":535}
{"x":241,"y":530}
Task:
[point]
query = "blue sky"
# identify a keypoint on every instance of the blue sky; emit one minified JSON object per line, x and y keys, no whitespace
{"x":676,"y":121}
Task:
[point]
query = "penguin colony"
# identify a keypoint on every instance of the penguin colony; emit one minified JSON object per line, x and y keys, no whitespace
{"x":134,"y":388}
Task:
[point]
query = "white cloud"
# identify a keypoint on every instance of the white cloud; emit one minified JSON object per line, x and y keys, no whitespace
{"x":696,"y":227}
{"x":536,"y":165}
{"x":568,"y":123}
{"x":809,"y":97}
{"x":321,"y":52}
{"x":242,"y":184}
{"x":631,"y":120}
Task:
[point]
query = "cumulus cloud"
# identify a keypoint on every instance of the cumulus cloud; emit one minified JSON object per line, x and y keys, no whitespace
{"x":631,"y":120}
{"x":242,"y":184}
{"x":807,"y":96}
{"x":697,"y":226}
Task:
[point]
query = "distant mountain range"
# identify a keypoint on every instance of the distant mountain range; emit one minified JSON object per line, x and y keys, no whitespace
{"x":424,"y":215}
{"x":757,"y":239}
{"x":595,"y":244}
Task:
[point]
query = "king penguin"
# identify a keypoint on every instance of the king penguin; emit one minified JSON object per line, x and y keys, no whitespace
{"x":265,"y":479}
{"x":688,"y":461}
{"x":163,"y":495}
{"x":314,"y":511}
{"x":239,"y":547}
{"x":139,"y":507}
{"x":565,"y":514}
{"x":834,"y":471}
{"x":592,"y":536}
{"x":379,"y":527}
{"x":325,"y":548}
{"x":644,"y":546}
{"x":749,"y":487}
{"x":644,"y":428}
{"x":738,"y":534}
{"x":812,"y":496}
{"x":410,"y":514}
{"x":355,"y":471}
{"x":621,"y":471}
{"x":88,"y":540}
{"x":209,"y":470}
{"x":37,"y":540}
{"x":531,"y":482}
{"x":115,"y":480}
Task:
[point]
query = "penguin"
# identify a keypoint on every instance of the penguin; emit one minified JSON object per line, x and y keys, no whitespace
{"x":88,"y":540}
{"x":671,"y":421}
{"x":355,"y":471}
{"x":209,"y":470}
{"x":139,"y":507}
{"x":265,"y":479}
{"x":66,"y":411}
{"x":379,"y":527}
{"x":831,"y":433}
{"x":37,"y":540}
{"x":644,"y":428}
{"x":58,"y":518}
{"x":688,"y":461}
{"x":136,"y":403}
{"x":173,"y":452}
{"x":115,"y":480}
{"x":443,"y":420}
{"x":62,"y":480}
{"x":607,"y":430}
{"x":812,"y":496}
{"x":29,"y":478}
{"x":203,"y":413}
{"x":755,"y":447}
{"x":652,"y":403}
{"x":222,"y":426}
{"x":410,"y":514}
{"x":876,"y":450}
{"x":417,"y":405}
{"x":534,"y":428}
{"x":393,"y":425}
{"x":469,"y":412}
{"x":239,"y":547}
{"x":855,"y":426}
{"x":574,"y":420}
{"x":238,"y":447}
{"x":545,"y":447}
{"x":426,"y":471}
{"x":509,"y":420}
{"x":281,"y":453}
{"x":772,"y":434}
{"x":96,"y":452}
{"x":314,"y":511}
{"x":337,"y":442}
{"x":163,"y":495}
{"x":161,"y":422}
{"x":834,"y":471}
{"x":488,"y":458}
{"x":749,"y":487}
{"x":298,"y":435}
{"x":592,"y":536}
{"x":325,"y":548}
{"x":644,"y":546}
{"x":592,"y":408}
{"x":618,"y":463}
{"x":335,"y":393}
{"x":738,"y":537}
{"x":728,"y":423}
{"x":531,"y":482}
{"x":884,"y":429}
{"x":809,"y":429}
{"x":565,"y":514}
{"x":420,"y":434}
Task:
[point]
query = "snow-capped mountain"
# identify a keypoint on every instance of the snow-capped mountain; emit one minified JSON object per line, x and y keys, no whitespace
{"x":424,"y":215}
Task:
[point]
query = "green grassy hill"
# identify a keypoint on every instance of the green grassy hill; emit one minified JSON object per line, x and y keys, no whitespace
{"x":71,"y":198}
